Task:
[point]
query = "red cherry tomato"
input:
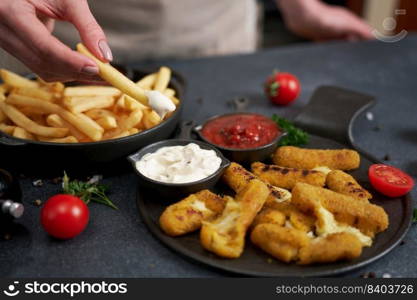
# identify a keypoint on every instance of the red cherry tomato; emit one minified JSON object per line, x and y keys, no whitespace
{"x":64,"y":216}
{"x":390,"y":181}
{"x":282,"y":88}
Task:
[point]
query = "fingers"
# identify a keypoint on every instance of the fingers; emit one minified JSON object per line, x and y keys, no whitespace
{"x":54,"y":57}
{"x":91,"y":33}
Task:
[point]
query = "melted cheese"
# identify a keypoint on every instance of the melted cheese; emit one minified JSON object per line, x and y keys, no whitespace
{"x":229,"y":217}
{"x":323,"y":169}
{"x":328,"y":225}
{"x":199,"y":205}
{"x":285,"y":195}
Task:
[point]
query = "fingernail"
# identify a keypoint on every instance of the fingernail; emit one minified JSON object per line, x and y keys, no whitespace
{"x":90,"y":70}
{"x":105,"y":50}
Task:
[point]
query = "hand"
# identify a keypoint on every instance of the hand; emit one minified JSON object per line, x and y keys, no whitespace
{"x":25,"y":32}
{"x":318,"y":21}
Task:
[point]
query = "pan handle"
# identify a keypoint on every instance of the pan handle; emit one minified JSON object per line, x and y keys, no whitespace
{"x":332,"y":111}
{"x":9,"y":141}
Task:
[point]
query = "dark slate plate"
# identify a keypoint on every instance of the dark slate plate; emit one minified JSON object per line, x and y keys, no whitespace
{"x":255,"y":262}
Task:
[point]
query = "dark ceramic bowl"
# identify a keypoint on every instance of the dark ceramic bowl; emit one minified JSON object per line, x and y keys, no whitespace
{"x":177,"y":190}
{"x":243,"y":156}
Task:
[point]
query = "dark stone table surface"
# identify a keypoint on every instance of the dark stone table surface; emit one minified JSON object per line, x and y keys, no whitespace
{"x":117,"y":243}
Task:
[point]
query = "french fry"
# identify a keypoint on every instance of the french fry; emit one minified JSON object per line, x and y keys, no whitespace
{"x":7,"y":128}
{"x":162,"y":79}
{"x":3,"y":89}
{"x":89,"y":121}
{"x":80,"y":104}
{"x":131,"y":104}
{"x":40,"y":119}
{"x":151,"y":119}
{"x":55,"y":120}
{"x":120,"y":135}
{"x":31,"y":111}
{"x":115,"y":78}
{"x":175,"y":100}
{"x":21,"y":120}
{"x":169,"y":92}
{"x":34,"y":92}
{"x":97,"y":113}
{"x":90,"y":90}
{"x":14,"y":80}
{"x":107,"y":122}
{"x":53,"y":87}
{"x":68,"y":140}
{"x":133,"y":131}
{"x":132,"y":120}
{"x":22,"y":134}
{"x":92,"y":130}
{"x":147,"y":82}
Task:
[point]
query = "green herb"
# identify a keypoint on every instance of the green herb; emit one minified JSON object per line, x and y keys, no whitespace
{"x":415,"y":215}
{"x":87,"y":191}
{"x":294,"y":137}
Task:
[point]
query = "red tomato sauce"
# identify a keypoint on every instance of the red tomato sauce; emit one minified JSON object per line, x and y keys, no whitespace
{"x":240,"y":131}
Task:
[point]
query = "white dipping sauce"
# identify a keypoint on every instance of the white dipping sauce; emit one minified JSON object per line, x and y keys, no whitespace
{"x":160,"y":103}
{"x":179,"y":164}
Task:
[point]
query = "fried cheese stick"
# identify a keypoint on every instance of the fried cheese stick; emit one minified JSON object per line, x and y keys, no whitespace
{"x":225,"y":236}
{"x":237,"y":178}
{"x":344,"y":183}
{"x":281,"y":242}
{"x":287,"y":177}
{"x":331,"y":248}
{"x":368,"y":218}
{"x":188,"y":214}
{"x":294,"y":157}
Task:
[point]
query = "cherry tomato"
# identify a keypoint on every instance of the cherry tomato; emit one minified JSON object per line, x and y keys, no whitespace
{"x":390,"y":181}
{"x":64,"y":216}
{"x":282,"y":88}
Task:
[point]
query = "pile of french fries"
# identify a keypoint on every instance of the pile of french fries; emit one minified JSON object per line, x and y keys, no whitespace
{"x":52,"y":112}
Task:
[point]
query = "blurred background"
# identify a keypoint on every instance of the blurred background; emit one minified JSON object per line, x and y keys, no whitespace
{"x":375,"y":12}
{"x":387,"y":17}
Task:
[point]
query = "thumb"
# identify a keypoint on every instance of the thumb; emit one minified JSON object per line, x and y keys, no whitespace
{"x":91,"y":33}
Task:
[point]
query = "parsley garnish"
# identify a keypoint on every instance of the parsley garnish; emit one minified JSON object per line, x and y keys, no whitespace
{"x":294,"y":137}
{"x":87,"y":191}
{"x":415,"y":215}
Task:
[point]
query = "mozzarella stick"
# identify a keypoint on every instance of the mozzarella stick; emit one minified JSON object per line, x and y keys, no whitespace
{"x":294,"y":157}
{"x":188,"y":214}
{"x":344,"y":183}
{"x":331,"y":248}
{"x":281,"y":242}
{"x":368,"y":218}
{"x":287,"y":177}
{"x":225,"y":236}
{"x":237,"y":178}
{"x":115,"y":78}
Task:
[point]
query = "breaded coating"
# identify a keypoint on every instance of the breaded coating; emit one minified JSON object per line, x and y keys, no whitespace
{"x":237,"y":178}
{"x":269,"y":216}
{"x":281,"y":242}
{"x":368,"y":218}
{"x":187,"y":215}
{"x":344,"y":183}
{"x":298,"y":219}
{"x":294,"y":157}
{"x":287,"y":177}
{"x":225,"y":236}
{"x":331,"y":248}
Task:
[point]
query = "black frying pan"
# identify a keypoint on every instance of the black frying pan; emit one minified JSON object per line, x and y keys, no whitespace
{"x":42,"y":157}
